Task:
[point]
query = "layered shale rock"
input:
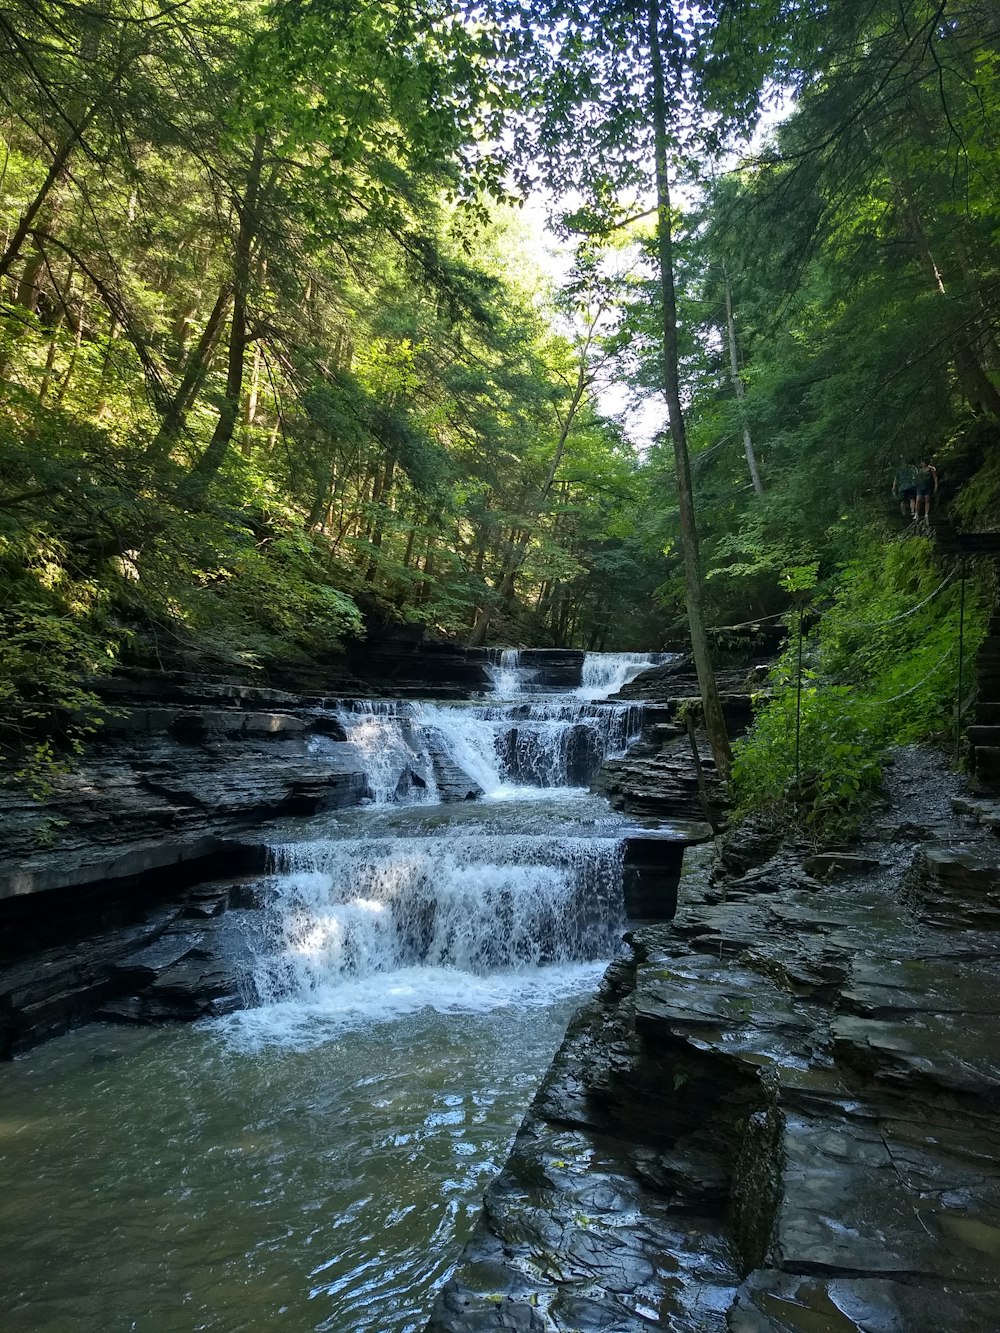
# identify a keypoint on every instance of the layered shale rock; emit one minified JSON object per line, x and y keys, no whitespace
{"x":781,"y":1113}
{"x":142,"y":958}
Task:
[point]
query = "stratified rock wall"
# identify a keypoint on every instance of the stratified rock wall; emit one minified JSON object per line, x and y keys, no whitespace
{"x":783,"y":1110}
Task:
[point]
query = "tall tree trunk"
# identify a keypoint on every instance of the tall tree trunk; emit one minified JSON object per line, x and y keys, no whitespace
{"x":212,"y":459}
{"x":102,"y":406}
{"x":738,"y":388}
{"x":424,"y":591}
{"x":715,"y":723}
{"x":980,"y":391}
{"x":54,"y":174}
{"x":194,"y":373}
{"x":250,"y":410}
{"x":67,"y":379}
{"x":50,"y":359}
{"x":377,"y":531}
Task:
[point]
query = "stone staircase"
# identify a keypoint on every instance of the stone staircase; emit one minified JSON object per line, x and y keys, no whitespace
{"x":984,"y":734}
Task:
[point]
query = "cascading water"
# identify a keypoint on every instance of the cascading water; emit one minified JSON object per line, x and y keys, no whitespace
{"x":525,"y":740}
{"x":318,"y":1159}
{"x":396,"y":766}
{"x":604,"y":674}
{"x":373,"y":927}
{"x":509,"y":678}
{"x":409,"y":913}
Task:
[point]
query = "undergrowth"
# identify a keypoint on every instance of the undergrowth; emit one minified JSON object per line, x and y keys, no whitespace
{"x":879,"y":668}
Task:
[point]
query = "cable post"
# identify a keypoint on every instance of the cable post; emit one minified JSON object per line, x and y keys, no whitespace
{"x":798,"y":701}
{"x":961,"y":663}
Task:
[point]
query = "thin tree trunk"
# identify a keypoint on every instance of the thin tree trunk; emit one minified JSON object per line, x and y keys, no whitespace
{"x":50,"y":359}
{"x":194,"y":373}
{"x":250,"y":410}
{"x":424,"y":593}
{"x":738,"y":388}
{"x":55,"y":171}
{"x":505,"y":588}
{"x":74,"y":356}
{"x":212,"y":459}
{"x":377,"y":531}
{"x":711,"y":704}
{"x":979,"y":389}
{"x":101,"y":407}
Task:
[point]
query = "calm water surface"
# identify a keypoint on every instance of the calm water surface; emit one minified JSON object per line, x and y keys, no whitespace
{"x":168,"y":1180}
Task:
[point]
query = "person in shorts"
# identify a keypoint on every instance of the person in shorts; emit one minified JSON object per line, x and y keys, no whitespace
{"x":927,"y":484}
{"x":904,"y":487}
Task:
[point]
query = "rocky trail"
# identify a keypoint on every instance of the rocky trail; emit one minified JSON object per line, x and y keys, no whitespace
{"x":782,"y":1111}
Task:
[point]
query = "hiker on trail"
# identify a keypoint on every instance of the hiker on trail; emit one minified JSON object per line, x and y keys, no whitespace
{"x":927,"y":484}
{"x":904,"y":487}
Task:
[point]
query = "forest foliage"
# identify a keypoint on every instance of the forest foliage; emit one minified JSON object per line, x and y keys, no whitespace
{"x":275,"y":358}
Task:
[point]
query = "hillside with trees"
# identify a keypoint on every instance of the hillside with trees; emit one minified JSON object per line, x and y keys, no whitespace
{"x":276,"y":360}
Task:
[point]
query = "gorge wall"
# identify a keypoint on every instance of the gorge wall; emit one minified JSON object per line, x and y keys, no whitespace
{"x":781,"y":1111}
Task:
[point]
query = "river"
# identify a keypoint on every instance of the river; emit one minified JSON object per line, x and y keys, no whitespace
{"x":316,"y":1160}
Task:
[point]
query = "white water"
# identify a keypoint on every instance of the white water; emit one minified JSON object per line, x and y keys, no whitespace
{"x":316,"y":1162}
{"x":464,"y":919}
{"x":397,"y":766}
{"x":510,"y":680}
{"x":420,"y":904}
{"x":604,"y":674}
{"x":521,"y":744}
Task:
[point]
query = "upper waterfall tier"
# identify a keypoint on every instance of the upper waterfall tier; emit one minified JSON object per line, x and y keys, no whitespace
{"x":604,"y":674}
{"x":423,"y":752}
{"x":591,"y":676}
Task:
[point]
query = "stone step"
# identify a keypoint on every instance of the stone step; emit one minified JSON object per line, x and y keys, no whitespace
{"x":986,"y":761}
{"x":984,"y":735}
{"x":987,"y":713}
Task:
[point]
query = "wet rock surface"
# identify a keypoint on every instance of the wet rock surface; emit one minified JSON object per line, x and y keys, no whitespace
{"x":659,"y":778}
{"x":670,"y":774}
{"x":122,"y":960}
{"x":782,"y":1111}
{"x":170,"y":784}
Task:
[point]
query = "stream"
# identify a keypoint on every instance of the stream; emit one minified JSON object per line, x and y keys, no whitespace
{"x":316,"y":1160}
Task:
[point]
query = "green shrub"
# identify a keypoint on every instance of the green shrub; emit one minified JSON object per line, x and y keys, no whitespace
{"x":54,"y":632}
{"x":879,"y":668}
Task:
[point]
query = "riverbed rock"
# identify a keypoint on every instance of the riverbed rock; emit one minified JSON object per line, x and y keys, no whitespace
{"x":128,"y":959}
{"x":661,"y":782}
{"x":782,"y":1112}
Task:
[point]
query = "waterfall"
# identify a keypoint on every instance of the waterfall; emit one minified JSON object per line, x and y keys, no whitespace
{"x":461,"y":906}
{"x":510,"y":680}
{"x":377,"y":926}
{"x":396,"y":765}
{"x":505,"y":748}
{"x":478,"y":901}
{"x":604,"y":674}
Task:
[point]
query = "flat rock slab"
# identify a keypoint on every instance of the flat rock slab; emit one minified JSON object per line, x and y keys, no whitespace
{"x":883,"y":988}
{"x":146,"y":965}
{"x":945,"y":1049}
{"x":797,"y":1081}
{"x":860,"y":1197}
{"x":776,"y":1302}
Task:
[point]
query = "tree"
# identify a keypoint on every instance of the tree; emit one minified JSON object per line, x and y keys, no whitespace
{"x":616,"y":94}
